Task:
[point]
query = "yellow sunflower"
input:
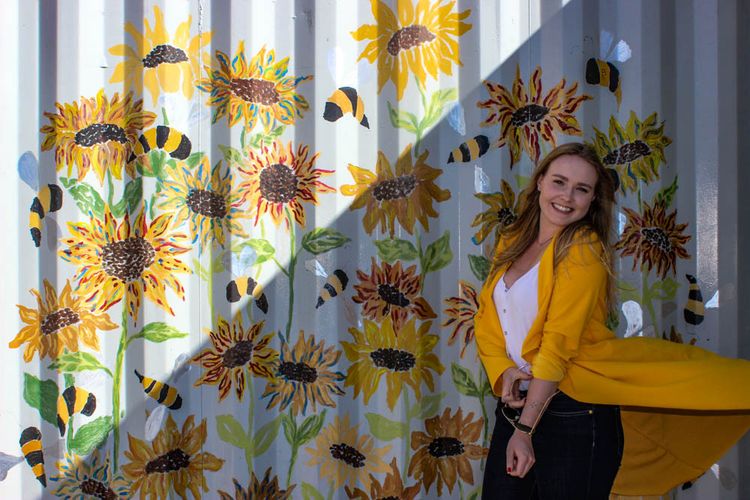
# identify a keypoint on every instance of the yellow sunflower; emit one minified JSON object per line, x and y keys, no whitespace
{"x":232,"y":350}
{"x":99,"y":133}
{"x":79,"y":478}
{"x":58,"y":323}
{"x":260,"y":89}
{"x":460,"y":315}
{"x":303,"y":376}
{"x":343,"y":457}
{"x":444,"y":451}
{"x":406,"y":358}
{"x":276,"y":178}
{"x":502,"y":211}
{"x":392,"y":487}
{"x":405,"y":195}
{"x":158,"y":61}
{"x":174,"y":461}
{"x":206,"y":197}
{"x":523,"y":115}
{"x":421,"y":40}
{"x":263,"y":489}
{"x":635,"y":151}
{"x":128,"y":260}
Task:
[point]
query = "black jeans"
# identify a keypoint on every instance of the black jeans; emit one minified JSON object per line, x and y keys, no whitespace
{"x":578,"y":449}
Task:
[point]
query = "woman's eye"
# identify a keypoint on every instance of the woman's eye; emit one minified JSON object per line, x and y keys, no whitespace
{"x":583,"y":190}
{"x":558,"y":182}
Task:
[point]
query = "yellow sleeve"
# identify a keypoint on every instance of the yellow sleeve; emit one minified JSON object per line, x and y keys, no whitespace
{"x":579,"y":287}
{"x":490,"y":341}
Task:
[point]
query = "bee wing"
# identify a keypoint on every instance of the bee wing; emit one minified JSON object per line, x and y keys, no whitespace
{"x":28,"y":170}
{"x":346,"y":74}
{"x":621,"y":52}
{"x":713,"y":302}
{"x":457,"y":119}
{"x":94,"y":381}
{"x":153,"y":422}
{"x":481,"y":180}
{"x":726,"y":477}
{"x":181,"y":366}
{"x":634,"y":317}
{"x":239,"y":260}
{"x":7,"y":462}
{"x":181,"y":114}
{"x":605,"y":42}
{"x":315,"y":267}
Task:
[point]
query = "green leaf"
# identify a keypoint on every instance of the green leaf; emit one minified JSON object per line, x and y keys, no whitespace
{"x":155,"y":165}
{"x":202,"y":273}
{"x":463,"y":381}
{"x":231,"y":155}
{"x":474,"y":495}
{"x":309,"y":492}
{"x":480,"y":266}
{"x":72,"y":362}
{"x":217,"y":264}
{"x":133,"y":195}
{"x":522,"y":181}
{"x":666,"y":195}
{"x":87,"y":198}
{"x":427,"y":406}
{"x":230,"y":431}
{"x":41,"y":395}
{"x":160,"y":332}
{"x":194,"y":159}
{"x":263,"y":249}
{"x":290,"y":428}
{"x":66,"y":182}
{"x":438,"y":254}
{"x":626,"y":292}
{"x":665,"y":289}
{"x":323,"y":239}
{"x":91,"y":435}
{"x":118,"y":209}
{"x":265,"y":436}
{"x":393,"y":249}
{"x":437,"y":102}
{"x":403,"y":119}
{"x":310,"y":428}
{"x":386,"y":429}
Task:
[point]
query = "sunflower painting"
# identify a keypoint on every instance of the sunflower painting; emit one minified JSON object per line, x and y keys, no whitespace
{"x":420,"y":39}
{"x":405,"y":194}
{"x":159,"y":62}
{"x":59,"y":323}
{"x":654,"y":239}
{"x":635,"y":151}
{"x":233,"y":353}
{"x":96,"y":134}
{"x":444,"y":450}
{"x":260,"y":489}
{"x":502,"y":212}
{"x":391,"y":487}
{"x":126,"y":261}
{"x":173,"y":462}
{"x":460,"y":315}
{"x":525,"y":115}
{"x":205,"y":196}
{"x":259,"y":90}
{"x":79,"y":478}
{"x":277,"y":178}
{"x":342,"y":456}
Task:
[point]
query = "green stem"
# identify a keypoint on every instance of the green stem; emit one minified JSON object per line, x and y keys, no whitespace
{"x":69,"y":382}
{"x":295,"y":449}
{"x":249,"y":452}
{"x":110,"y":187}
{"x":116,"y":385}
{"x":290,"y":272}
{"x":418,"y":140}
{"x":281,"y":268}
{"x":210,"y":283}
{"x":650,"y":305}
{"x":407,"y":438}
{"x":461,"y":488}
{"x":330,"y":490}
{"x":421,"y":257}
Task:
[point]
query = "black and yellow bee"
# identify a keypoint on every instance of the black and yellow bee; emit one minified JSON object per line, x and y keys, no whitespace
{"x":470,"y":150}
{"x":74,"y":400}
{"x":245,"y":285}
{"x":48,"y":199}
{"x":601,"y":71}
{"x":694,"y":309}
{"x":345,"y":100}
{"x":31,"y":447}
{"x":335,"y":284}
{"x":161,"y":392}
{"x":170,"y":140}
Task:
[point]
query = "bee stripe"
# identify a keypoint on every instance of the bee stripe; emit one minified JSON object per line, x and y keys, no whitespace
{"x":31,"y":447}
{"x":470,"y":150}
{"x":694,"y":309}
{"x":233,"y":291}
{"x":345,"y":100}
{"x":343,"y":278}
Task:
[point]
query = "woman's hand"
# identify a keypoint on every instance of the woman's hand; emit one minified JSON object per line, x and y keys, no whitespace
{"x":511,"y":394}
{"x":519,"y":455}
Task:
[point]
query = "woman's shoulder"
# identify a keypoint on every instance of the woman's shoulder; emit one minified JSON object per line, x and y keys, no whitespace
{"x":585,"y":248}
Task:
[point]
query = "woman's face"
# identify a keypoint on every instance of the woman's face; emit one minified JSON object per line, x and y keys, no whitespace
{"x":565,"y":193}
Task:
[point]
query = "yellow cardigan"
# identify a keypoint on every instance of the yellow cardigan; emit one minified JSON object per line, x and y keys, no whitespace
{"x":683,"y":406}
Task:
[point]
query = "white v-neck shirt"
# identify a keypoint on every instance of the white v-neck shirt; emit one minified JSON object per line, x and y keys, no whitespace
{"x":517,"y":308}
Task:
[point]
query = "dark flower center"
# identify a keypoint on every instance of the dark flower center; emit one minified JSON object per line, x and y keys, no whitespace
{"x":164,"y":54}
{"x":445,"y":447}
{"x":255,"y":90}
{"x":658,"y":238}
{"x":393,"y":189}
{"x":392,"y":295}
{"x":127,"y":259}
{"x":389,"y":498}
{"x":406,"y":38}
{"x":98,"y":133}
{"x":58,"y":320}
{"x":97,"y":489}
{"x":278,"y":184}
{"x":346,"y":453}
{"x":627,"y":153}
{"x":299,"y":372}
{"x":207,"y":203}
{"x":393,"y":359}
{"x":506,"y":216}
{"x":528,"y":114}
{"x":170,"y":461}
{"x":239,"y":354}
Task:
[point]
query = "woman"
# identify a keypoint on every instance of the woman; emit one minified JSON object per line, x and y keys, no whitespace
{"x":561,"y":374}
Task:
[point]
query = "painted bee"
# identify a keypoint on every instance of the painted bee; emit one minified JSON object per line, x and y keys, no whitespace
{"x":694,"y":309}
{"x":334,"y":285}
{"x":74,"y":400}
{"x":345,"y":100}
{"x":245,"y":285}
{"x":170,"y":140}
{"x":31,"y":447}
{"x":470,"y":150}
{"x":48,"y":199}
{"x":601,"y":71}
{"x":163,"y":394}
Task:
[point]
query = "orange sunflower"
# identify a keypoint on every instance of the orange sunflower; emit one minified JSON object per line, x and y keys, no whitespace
{"x":391,"y":291}
{"x":263,"y":489}
{"x":524,"y":116}
{"x":392,"y":487}
{"x":174,"y":461}
{"x":126,"y":261}
{"x":502,"y":211}
{"x":444,"y":451}
{"x":421,"y":40}
{"x":58,"y":323}
{"x":405,"y":195}
{"x":158,"y":61}
{"x":233,"y":349}
{"x":97,"y":134}
{"x":277,"y":178}
{"x":654,"y":239}
{"x":258,"y":90}
{"x":460,"y":315}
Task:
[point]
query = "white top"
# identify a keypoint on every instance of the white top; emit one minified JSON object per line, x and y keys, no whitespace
{"x":517,"y":308}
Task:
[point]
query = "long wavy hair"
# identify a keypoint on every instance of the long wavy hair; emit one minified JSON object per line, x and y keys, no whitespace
{"x":524,"y":231}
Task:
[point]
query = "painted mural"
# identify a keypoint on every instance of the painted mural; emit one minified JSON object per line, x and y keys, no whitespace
{"x":160,"y":237}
